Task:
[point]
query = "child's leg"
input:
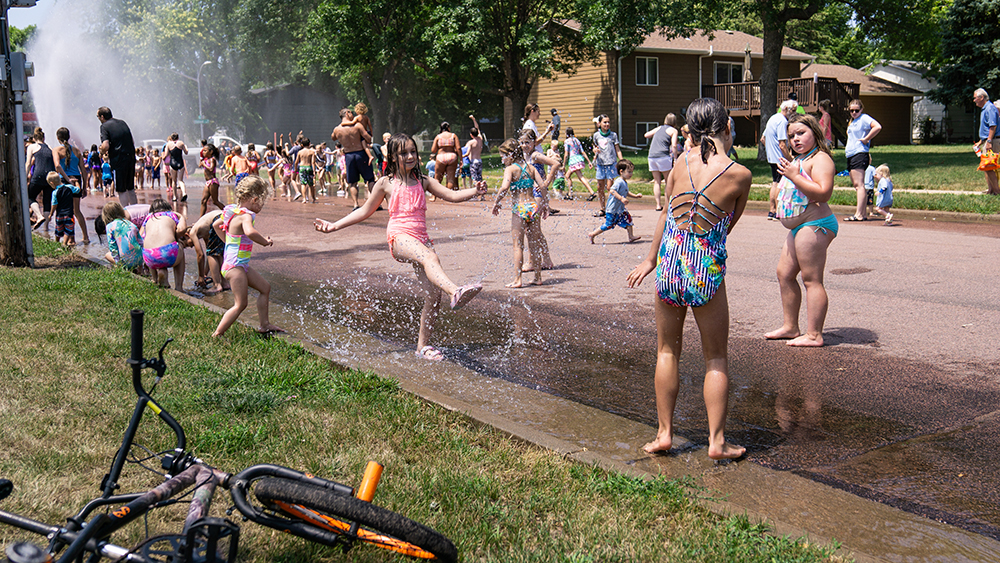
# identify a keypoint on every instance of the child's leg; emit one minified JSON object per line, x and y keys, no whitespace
{"x":713,"y":324}
{"x":791,"y":292}
{"x":596,"y":232}
{"x":536,"y":248}
{"x":409,"y":249}
{"x":238,"y":281}
{"x":80,"y":219}
{"x":178,"y":268}
{"x":666,"y":383}
{"x":258,"y":282}
{"x":810,"y":248}
{"x":215,"y":270}
{"x":579,"y":174}
{"x":429,"y":313}
{"x":517,"y":228}
{"x":631,"y":237}
{"x":536,"y":239}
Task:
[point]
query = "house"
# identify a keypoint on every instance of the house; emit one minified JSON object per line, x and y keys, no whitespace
{"x":888,"y":103}
{"x":953,"y":122}
{"x":661,"y":76}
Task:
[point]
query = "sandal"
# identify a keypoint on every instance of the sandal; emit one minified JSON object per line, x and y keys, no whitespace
{"x":430,"y":353}
{"x":852,"y":218}
{"x":591,"y":197}
{"x":465,"y":294}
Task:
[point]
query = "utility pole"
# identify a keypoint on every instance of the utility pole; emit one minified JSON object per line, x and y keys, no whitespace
{"x":15,"y":231}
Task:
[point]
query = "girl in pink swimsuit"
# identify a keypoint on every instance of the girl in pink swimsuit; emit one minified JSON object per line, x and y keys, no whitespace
{"x":406,"y":233}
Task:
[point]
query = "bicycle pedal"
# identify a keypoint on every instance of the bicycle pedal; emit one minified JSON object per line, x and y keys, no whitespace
{"x":211,"y":540}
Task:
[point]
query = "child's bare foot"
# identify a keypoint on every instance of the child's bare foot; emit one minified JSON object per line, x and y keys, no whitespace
{"x":727,"y":451}
{"x":516,"y":284}
{"x":270,"y":329}
{"x":633,"y":239}
{"x":806,"y":340}
{"x":591,"y":237}
{"x":537,"y":281}
{"x":659,"y":445}
{"x":782,"y":334}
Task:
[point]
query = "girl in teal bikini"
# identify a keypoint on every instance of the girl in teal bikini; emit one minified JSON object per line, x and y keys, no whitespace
{"x":706,"y":194}
{"x":803,"y":192}
{"x":520,"y":179}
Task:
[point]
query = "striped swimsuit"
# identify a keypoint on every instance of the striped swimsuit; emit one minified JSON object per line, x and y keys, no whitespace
{"x":691,"y":262}
{"x":237,"y":250}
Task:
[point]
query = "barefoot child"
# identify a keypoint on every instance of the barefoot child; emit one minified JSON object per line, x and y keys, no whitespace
{"x":237,"y":224}
{"x":883,"y":194}
{"x":706,"y":195}
{"x":615,"y":213}
{"x":520,"y":179}
{"x":574,"y":163}
{"x":164,"y":235}
{"x":62,"y":208}
{"x":124,"y":244}
{"x":209,"y":163}
{"x":404,"y":185}
{"x":209,"y":248}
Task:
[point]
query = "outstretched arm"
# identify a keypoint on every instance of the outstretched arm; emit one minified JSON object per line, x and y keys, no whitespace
{"x":360,"y":214}
{"x":454,"y":196}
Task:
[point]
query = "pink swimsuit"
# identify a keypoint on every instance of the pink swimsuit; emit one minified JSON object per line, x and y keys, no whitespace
{"x":407,"y":213}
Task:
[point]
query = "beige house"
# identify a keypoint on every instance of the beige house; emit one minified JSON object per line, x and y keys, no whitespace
{"x":659,"y":77}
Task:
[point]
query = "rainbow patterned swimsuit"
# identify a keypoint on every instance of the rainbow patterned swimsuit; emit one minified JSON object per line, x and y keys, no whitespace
{"x":237,"y":251}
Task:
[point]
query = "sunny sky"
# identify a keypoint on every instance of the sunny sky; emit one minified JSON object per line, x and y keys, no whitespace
{"x":23,"y":17}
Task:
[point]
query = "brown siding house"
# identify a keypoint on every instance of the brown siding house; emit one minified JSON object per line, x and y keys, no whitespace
{"x":661,"y":76}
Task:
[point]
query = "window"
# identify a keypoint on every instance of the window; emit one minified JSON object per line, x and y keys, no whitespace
{"x":726,"y":73}
{"x":647,"y":71}
{"x":640,"y":131}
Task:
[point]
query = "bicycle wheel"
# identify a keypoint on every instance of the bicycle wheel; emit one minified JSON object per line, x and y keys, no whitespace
{"x":336,"y":512}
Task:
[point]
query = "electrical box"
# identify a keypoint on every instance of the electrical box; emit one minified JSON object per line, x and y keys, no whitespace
{"x":20,"y":70}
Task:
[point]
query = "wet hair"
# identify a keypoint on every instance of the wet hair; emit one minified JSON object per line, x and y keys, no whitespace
{"x":305,"y":142}
{"x":251,"y":147}
{"x":394,"y":148}
{"x":670,"y":120}
{"x":569,"y":132}
{"x":706,"y":118}
{"x":624,"y":164}
{"x":237,"y":149}
{"x":527,"y":135}
{"x":861,"y":105}
{"x":174,"y":136}
{"x":512,"y":148}
{"x":269,"y":146}
{"x":883,"y":171}
{"x":62,"y":135}
{"x":528,"y":109}
{"x":104,"y":111}
{"x":474,"y":132}
{"x":159,"y":204}
{"x":252,"y":186}
{"x":445,"y":126}
{"x":93,"y":147}
{"x":344,"y":112}
{"x":39,"y":135}
{"x":112,"y":210}
{"x":360,"y":108}
{"x":813,"y":124}
{"x":213,"y":151}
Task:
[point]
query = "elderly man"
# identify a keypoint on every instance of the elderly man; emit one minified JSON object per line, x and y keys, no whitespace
{"x":989,"y":120}
{"x":775,"y":139}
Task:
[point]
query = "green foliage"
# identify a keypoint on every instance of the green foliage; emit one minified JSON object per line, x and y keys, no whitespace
{"x":970,"y":51}
{"x":19,"y":37}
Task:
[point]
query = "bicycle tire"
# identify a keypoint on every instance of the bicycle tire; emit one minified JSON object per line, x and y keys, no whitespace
{"x":335,"y":512}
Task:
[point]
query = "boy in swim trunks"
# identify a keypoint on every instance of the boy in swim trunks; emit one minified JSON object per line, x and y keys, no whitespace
{"x":164,"y":236}
{"x":237,"y":224}
{"x":615,"y":214}
{"x":305,"y":161}
{"x":62,"y":208}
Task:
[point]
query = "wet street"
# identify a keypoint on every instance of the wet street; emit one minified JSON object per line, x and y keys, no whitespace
{"x":901,"y":406}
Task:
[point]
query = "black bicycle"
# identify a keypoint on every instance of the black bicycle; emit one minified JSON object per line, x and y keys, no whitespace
{"x":291,"y":501}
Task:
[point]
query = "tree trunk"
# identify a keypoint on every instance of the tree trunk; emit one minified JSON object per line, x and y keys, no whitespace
{"x":774,"y":41}
{"x":13,"y":250}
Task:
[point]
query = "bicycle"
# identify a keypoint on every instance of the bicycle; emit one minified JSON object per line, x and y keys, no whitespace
{"x":298,"y":503}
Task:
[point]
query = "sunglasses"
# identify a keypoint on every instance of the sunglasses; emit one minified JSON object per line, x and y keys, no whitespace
{"x":855,"y":111}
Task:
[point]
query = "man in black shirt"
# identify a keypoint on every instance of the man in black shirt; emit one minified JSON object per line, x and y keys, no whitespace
{"x":117,"y":143}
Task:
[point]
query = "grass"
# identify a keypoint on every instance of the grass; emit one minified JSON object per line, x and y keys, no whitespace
{"x":928,"y":168}
{"x":243,"y":400}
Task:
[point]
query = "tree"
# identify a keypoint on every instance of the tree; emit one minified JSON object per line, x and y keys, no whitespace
{"x":970,"y":51}
{"x":19,"y":37}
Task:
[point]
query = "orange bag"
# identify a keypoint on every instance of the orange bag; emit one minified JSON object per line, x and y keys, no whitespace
{"x":989,"y":160}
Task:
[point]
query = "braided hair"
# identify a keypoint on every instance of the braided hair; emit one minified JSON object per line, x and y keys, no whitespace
{"x":706,"y":118}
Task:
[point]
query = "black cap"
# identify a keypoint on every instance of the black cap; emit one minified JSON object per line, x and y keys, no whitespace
{"x":793,"y":96}
{"x":554,"y":111}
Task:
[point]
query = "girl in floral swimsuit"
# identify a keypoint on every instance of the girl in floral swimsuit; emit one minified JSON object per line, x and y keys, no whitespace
{"x":406,"y":233}
{"x":707,"y":193}
{"x":520,"y":180}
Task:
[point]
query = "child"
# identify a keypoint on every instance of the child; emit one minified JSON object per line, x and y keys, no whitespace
{"x":465,"y":172}
{"x":163,"y":232}
{"x":305,"y":160}
{"x":870,"y":190}
{"x":287,"y":187}
{"x":573,"y":161}
{"x":107,"y":178}
{"x":155,"y":171}
{"x":560,"y":182}
{"x":209,"y":163}
{"x":706,"y":194}
{"x":253,"y":159}
{"x":237,"y":224}
{"x":606,"y":148}
{"x":615,"y":213}
{"x":209,"y":249}
{"x":62,"y":207}
{"x":406,"y":232}
{"x":883,"y":203}
{"x":124,"y":244}
{"x":520,"y":180}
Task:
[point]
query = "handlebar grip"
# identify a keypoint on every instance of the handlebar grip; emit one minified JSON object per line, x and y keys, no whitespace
{"x":137,"y":315}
